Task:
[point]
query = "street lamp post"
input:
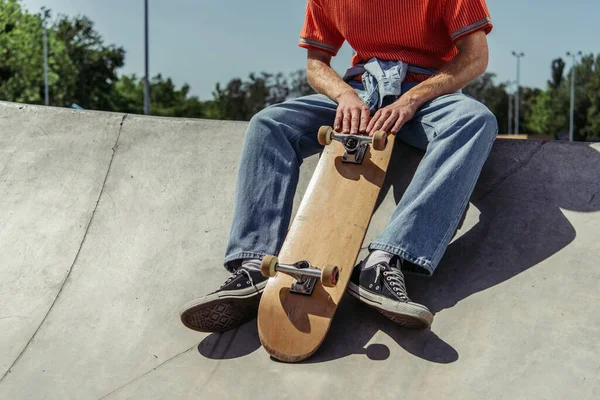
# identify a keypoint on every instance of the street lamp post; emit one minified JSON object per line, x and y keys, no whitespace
{"x":45,"y":40}
{"x":517,"y":94}
{"x":508,"y":85}
{"x":572,"y":118}
{"x":146,"y":82}
{"x":510,"y":113}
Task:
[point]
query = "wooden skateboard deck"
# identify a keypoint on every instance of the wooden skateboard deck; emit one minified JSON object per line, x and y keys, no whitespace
{"x":328,"y":229}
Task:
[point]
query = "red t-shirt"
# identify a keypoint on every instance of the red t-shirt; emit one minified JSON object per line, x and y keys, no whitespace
{"x":419,"y":32}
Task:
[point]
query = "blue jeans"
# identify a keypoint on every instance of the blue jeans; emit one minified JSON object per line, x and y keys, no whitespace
{"x":456,"y":131}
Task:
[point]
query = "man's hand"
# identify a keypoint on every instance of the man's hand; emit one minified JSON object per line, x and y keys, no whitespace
{"x":352,"y":114}
{"x":391,"y":118}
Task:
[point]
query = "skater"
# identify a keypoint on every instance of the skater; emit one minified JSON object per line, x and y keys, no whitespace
{"x":411,"y":60}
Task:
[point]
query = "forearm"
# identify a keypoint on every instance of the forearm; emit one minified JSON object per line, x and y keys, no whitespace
{"x":455,"y":75}
{"x":323,"y":79}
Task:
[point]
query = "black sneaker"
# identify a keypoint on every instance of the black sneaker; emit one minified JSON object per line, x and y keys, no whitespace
{"x":382,"y":287}
{"x":235,"y":303}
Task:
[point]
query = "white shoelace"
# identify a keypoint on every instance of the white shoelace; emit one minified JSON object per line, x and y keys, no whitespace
{"x":395,"y":278}
{"x":236,"y":274}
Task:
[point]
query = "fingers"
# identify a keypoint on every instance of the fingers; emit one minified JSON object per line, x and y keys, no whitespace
{"x":394,"y":119}
{"x":360,"y":119}
{"x":365,"y":114}
{"x":398,"y":125}
{"x":339,"y":116}
{"x":382,"y":119}
{"x":389,"y":120}
{"x":355,"y":124}
{"x":346,"y":121}
{"x":352,"y":119}
{"x":373,"y":122}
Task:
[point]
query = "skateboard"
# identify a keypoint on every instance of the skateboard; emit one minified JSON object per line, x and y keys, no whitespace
{"x":309,"y":276}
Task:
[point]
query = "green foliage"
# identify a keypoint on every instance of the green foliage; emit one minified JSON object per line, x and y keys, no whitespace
{"x":592,"y":129}
{"x":240,"y":100}
{"x":558,"y":70}
{"x":551,"y":108}
{"x":21,"y":57}
{"x":97,"y":64}
{"x":529,"y":98}
{"x":548,"y":114}
{"x":165,"y":99}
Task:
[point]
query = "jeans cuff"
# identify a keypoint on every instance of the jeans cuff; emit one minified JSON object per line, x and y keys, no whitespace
{"x":230,"y":261}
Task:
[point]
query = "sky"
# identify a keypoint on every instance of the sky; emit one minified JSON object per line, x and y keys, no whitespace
{"x":202,"y":42}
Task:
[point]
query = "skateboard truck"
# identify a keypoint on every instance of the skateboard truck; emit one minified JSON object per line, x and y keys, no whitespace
{"x":304,"y":274}
{"x":355,"y":145}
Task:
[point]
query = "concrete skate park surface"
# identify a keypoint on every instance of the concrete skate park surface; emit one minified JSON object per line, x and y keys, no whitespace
{"x":110,"y":222}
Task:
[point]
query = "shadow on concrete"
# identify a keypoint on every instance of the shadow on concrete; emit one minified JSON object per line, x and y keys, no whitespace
{"x":231,"y":344}
{"x":519,"y":196}
{"x":355,"y":325}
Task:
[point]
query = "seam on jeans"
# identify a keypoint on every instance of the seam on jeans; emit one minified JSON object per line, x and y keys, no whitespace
{"x":435,"y":128}
{"x":297,"y":137}
{"x":420,"y":261}
{"x":458,"y":216}
{"x":420,"y":121}
{"x":294,"y":140}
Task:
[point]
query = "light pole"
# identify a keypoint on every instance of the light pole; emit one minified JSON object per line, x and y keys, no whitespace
{"x":510,"y":113}
{"x":517,"y":95}
{"x":146,"y":82}
{"x":45,"y":39}
{"x":510,"y":105}
{"x":572,"y":119}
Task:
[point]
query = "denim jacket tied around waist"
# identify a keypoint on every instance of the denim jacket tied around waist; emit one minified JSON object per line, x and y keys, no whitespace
{"x":382,"y":80}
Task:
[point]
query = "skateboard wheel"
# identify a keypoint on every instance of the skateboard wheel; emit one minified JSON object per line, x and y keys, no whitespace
{"x":267,"y":266}
{"x":325,"y":135}
{"x":380,"y":140}
{"x":330,"y":275}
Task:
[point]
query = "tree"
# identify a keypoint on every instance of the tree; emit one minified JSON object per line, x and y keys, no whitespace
{"x":96,"y":63}
{"x":592,"y":130}
{"x":549,"y":112}
{"x":240,"y":100}
{"x":21,"y":58}
{"x":558,"y":70}
{"x":166,"y":99}
{"x":584,"y":73}
{"x":529,"y":98}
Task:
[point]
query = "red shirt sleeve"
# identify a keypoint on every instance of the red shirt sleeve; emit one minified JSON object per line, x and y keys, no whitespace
{"x":319,"y":31}
{"x":464,"y":17}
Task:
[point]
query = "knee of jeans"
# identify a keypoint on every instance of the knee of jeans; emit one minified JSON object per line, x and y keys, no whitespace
{"x":261,"y":118}
{"x":483,"y":119}
{"x":264,"y":125}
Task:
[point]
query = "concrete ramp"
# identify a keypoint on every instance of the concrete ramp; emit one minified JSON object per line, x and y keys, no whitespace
{"x":110,"y":222}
